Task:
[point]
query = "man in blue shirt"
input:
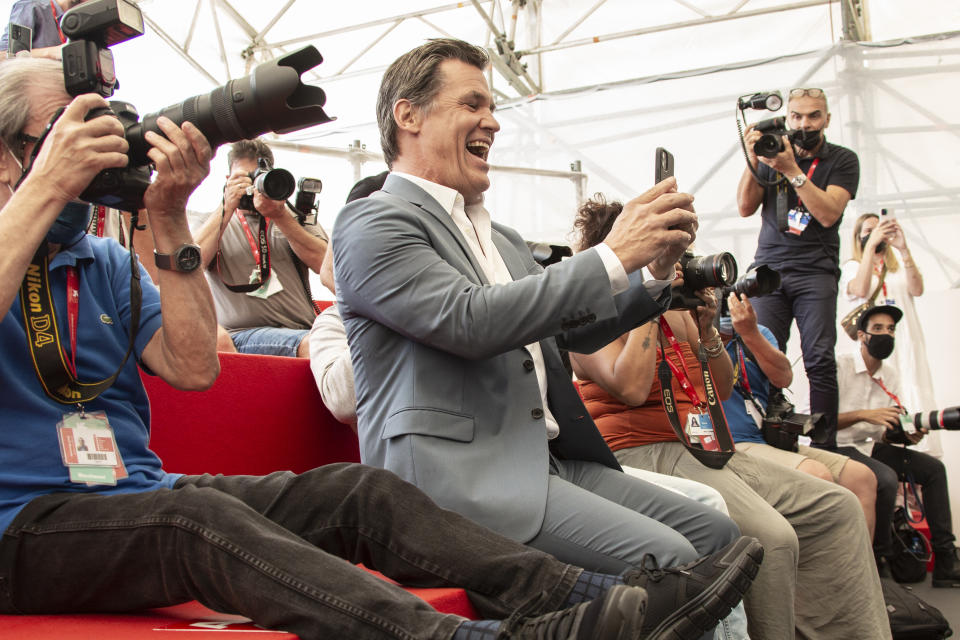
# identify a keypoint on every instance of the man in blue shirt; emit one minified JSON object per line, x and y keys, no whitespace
{"x":106,"y":529}
{"x":758,"y":365}
{"x":43,"y":18}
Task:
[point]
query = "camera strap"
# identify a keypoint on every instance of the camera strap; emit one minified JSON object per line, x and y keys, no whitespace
{"x":58,"y":376}
{"x":260,"y":248}
{"x":715,"y":459}
{"x":889,"y":393}
{"x":741,"y":381}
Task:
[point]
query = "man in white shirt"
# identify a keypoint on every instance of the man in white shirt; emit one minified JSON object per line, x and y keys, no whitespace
{"x":871,"y":416}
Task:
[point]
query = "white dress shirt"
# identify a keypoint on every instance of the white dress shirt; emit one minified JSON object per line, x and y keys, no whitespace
{"x":473,"y":221}
{"x":858,"y":391}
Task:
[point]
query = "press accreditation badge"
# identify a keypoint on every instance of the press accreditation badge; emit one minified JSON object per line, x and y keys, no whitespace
{"x":270,"y":287}
{"x":797,"y":221}
{"x":699,"y":425}
{"x":89,"y":449}
{"x":907,"y":423}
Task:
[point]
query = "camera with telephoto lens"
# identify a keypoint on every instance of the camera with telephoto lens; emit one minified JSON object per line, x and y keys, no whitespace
{"x":276,"y":184}
{"x":782,"y":425}
{"x":271,"y":98}
{"x":947,"y":419}
{"x":702,"y":272}
{"x":758,"y":281}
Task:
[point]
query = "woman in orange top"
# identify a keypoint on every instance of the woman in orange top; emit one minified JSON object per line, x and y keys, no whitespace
{"x":818,"y":579}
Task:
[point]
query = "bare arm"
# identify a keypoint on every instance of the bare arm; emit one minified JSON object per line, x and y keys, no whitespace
{"x":773,"y":362}
{"x":912,"y":272}
{"x":749,"y":191}
{"x":183,"y":350}
{"x":624,"y":368}
{"x":826,"y":205}
{"x":721,"y":369}
{"x":888,"y":417}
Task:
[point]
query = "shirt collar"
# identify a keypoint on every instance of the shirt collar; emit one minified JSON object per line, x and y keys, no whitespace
{"x":860,"y":366}
{"x":445,"y":196}
{"x":70,"y":256}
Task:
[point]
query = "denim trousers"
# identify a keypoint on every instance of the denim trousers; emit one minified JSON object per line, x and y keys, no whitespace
{"x":811,"y":299}
{"x":279,"y":549}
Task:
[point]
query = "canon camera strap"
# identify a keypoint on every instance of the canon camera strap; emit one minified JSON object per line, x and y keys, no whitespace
{"x":261,"y":254}
{"x":43,"y":336}
{"x":712,"y":459}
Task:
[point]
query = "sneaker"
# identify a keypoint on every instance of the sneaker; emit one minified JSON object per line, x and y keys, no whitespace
{"x":616,"y":615}
{"x":946,"y":568}
{"x":688,"y":601}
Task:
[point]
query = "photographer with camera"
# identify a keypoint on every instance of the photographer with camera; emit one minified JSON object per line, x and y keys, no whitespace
{"x":257,"y":254}
{"x":873,"y":421}
{"x":803,"y":189}
{"x":758,"y":367}
{"x":817,"y":579}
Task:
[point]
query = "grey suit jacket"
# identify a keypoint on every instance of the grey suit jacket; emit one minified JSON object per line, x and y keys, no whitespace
{"x":447,"y":394}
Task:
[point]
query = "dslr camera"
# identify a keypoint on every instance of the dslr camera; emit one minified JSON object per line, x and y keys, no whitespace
{"x":782,"y":425}
{"x":276,"y":184}
{"x":758,"y":281}
{"x":272,"y":98}
{"x":702,"y":272}
{"x":771,"y":142}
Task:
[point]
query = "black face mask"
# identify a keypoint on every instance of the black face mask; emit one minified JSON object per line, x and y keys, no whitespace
{"x":807,"y":140}
{"x":880,"y":345}
{"x":881,"y":246}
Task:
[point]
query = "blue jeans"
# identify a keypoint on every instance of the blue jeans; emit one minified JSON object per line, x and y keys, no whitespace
{"x":280,"y":549}
{"x":268,"y":341}
{"x":811,"y":299}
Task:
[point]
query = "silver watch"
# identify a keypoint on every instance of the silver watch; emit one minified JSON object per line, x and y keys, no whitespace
{"x":798,"y":180}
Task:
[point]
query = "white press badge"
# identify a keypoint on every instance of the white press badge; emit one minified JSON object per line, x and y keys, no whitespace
{"x":89,"y":449}
{"x":797,"y":221}
{"x":268,"y":288}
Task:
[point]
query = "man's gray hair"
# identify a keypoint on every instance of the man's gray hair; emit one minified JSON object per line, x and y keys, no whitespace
{"x":414,"y":76}
{"x":21,"y":79}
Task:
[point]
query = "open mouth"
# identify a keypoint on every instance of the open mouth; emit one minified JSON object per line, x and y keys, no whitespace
{"x":479,"y":148}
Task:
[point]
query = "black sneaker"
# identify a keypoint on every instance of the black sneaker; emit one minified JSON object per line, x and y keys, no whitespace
{"x":688,"y":601}
{"x":616,"y":615}
{"x":946,"y":568}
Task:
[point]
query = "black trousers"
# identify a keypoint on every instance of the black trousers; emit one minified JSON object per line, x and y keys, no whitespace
{"x":811,"y":299}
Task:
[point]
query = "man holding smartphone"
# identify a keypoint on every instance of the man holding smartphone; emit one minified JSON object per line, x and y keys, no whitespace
{"x":803,"y":191}
{"x":43,"y":18}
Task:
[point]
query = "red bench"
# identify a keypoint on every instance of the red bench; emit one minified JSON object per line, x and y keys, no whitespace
{"x":263,"y":414}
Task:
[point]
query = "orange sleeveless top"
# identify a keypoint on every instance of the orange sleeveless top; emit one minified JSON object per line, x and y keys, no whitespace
{"x":624,"y":427}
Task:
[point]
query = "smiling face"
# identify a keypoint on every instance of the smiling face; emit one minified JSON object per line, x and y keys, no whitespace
{"x":448,"y":142}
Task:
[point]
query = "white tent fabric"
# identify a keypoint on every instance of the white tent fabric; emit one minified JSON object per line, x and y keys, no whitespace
{"x":600,"y":84}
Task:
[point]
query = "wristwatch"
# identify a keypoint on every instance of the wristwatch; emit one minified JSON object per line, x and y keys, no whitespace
{"x":798,"y":180}
{"x":186,"y":258}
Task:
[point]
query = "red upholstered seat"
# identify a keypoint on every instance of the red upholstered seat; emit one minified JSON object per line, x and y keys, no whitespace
{"x":263,"y":414}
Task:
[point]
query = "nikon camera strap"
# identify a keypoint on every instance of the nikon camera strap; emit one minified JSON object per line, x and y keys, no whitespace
{"x":712,"y":459}
{"x":43,"y":336}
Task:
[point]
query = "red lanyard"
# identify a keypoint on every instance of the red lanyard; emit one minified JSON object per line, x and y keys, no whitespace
{"x":883,"y":285}
{"x":73,"y":314}
{"x":813,"y":167}
{"x":742,"y":377}
{"x":887,"y":391}
{"x":250,"y":239}
{"x":683,"y":377}
{"x":53,"y":10}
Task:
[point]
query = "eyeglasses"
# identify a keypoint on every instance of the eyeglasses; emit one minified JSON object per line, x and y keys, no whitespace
{"x":813,"y":93}
{"x":25,"y":139}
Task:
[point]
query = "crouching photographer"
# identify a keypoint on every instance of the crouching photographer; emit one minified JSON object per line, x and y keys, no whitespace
{"x":875,"y":428}
{"x":257,"y":250}
{"x":813,"y":533}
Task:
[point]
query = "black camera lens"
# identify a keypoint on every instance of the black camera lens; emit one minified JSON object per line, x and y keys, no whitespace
{"x":276,"y":184}
{"x":718,"y":270}
{"x":757,"y":282}
{"x":768,"y":146}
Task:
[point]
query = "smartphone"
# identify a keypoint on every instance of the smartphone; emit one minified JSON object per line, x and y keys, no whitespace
{"x":663,"y":167}
{"x":20,"y":38}
{"x":887,"y":214}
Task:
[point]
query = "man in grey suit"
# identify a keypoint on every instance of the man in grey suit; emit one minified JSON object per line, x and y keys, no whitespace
{"x":453,"y":332}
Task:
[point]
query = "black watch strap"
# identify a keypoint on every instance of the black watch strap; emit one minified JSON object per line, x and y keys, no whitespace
{"x":185,"y":258}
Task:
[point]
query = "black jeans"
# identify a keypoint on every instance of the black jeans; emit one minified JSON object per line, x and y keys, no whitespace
{"x":930,"y":474}
{"x":811,"y":298}
{"x":279,"y":549}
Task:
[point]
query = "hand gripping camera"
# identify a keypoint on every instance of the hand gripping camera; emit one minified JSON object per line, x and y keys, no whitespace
{"x":272,"y":98}
{"x":276,"y":184}
{"x":701,"y":272}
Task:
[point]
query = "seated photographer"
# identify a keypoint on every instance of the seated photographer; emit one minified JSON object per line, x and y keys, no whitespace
{"x":872,"y":418}
{"x":262,"y":296}
{"x":817,"y":579}
{"x":114,"y":533}
{"x":758,"y":364}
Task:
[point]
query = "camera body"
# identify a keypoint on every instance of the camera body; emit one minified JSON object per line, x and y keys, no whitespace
{"x":782,"y":425}
{"x":771,"y":142}
{"x":276,"y":184}
{"x":92,"y":27}
{"x":701,"y":272}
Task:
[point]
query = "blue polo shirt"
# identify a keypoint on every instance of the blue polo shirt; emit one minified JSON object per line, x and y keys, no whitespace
{"x":30,"y":462}
{"x":742,"y":426}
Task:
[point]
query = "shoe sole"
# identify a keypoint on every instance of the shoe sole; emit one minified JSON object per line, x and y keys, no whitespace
{"x":702,"y":613}
{"x":622,"y":617}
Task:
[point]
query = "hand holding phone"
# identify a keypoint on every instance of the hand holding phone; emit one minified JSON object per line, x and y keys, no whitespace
{"x":663,"y":165}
